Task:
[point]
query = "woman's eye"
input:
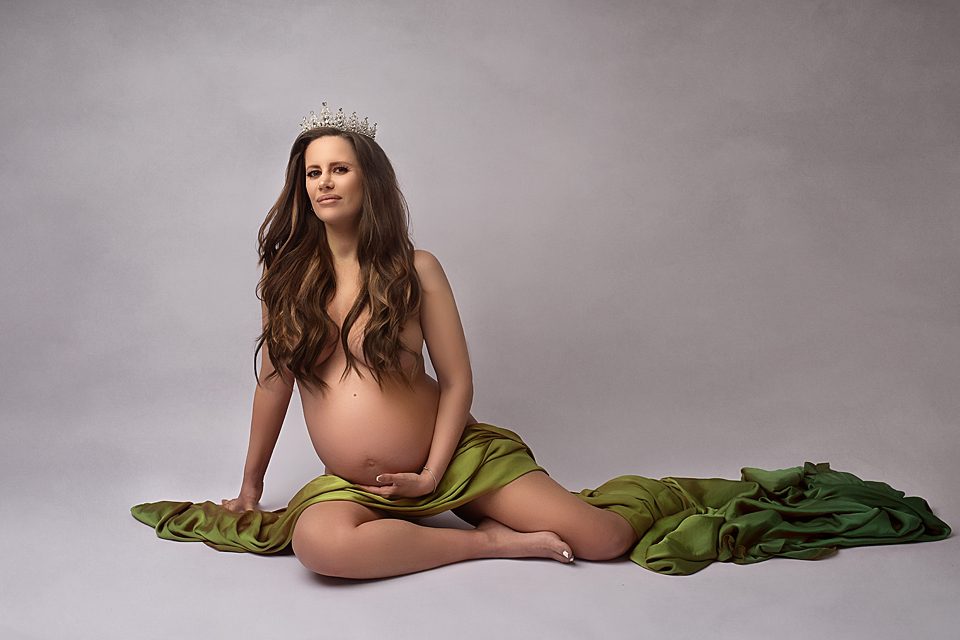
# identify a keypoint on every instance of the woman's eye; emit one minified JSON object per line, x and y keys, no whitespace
{"x":313,"y":174}
{"x":340,"y":170}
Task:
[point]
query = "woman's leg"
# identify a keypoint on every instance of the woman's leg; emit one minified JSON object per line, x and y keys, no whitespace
{"x":535,"y":502}
{"x":347,"y":540}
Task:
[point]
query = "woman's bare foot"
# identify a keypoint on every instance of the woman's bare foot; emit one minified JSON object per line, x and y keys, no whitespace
{"x":507,"y":543}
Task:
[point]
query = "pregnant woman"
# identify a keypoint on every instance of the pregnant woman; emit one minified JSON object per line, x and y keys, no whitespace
{"x":348,"y":305}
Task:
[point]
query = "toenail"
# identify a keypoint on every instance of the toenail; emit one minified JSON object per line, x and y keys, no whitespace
{"x":566,"y":555}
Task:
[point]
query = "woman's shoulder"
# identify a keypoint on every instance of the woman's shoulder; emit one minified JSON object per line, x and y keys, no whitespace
{"x":428,"y":269}
{"x":426,"y":263}
{"x":423,"y":258}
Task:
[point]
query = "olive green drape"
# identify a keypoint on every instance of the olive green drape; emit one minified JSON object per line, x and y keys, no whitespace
{"x":805,"y":512}
{"x":682,"y":524}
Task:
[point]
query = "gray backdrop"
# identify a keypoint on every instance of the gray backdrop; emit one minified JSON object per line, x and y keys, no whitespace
{"x":684,"y":237}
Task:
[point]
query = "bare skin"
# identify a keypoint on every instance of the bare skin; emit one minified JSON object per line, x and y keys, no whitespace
{"x":382,"y":439}
{"x":347,"y":540}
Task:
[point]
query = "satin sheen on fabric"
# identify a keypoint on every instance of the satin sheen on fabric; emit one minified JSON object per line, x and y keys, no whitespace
{"x":683,"y":524}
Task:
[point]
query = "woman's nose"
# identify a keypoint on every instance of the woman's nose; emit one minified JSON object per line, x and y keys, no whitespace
{"x":325,"y":181}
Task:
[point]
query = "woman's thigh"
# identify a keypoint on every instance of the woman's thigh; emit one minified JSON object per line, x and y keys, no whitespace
{"x":536,"y":502}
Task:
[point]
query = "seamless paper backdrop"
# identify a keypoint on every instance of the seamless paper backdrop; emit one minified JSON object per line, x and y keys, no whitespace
{"x":692,"y":224}
{"x":684,"y":236}
{"x":669,"y":225}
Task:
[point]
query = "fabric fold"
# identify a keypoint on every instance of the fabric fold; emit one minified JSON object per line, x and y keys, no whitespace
{"x":802,"y":512}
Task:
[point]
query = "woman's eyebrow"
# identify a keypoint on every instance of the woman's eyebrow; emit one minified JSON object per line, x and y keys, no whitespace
{"x":318,"y":166}
{"x":334,"y":163}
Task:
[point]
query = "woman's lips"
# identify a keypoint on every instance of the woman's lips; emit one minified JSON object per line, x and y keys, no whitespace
{"x":328,"y":199}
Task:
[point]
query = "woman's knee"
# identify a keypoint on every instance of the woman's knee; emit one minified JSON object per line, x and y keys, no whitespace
{"x":606,"y":540}
{"x":316,"y":550}
{"x":322,"y":539}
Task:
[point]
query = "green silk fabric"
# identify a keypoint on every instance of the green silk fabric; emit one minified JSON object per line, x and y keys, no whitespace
{"x":683,"y":524}
{"x":805,"y":512}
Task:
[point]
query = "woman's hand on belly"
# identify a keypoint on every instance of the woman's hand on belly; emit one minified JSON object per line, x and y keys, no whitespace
{"x":402,"y":485}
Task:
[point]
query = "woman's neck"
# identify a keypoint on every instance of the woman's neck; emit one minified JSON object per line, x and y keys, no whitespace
{"x":343,"y":245}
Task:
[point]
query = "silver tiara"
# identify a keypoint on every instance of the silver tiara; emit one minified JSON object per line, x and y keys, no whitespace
{"x":339,"y":121}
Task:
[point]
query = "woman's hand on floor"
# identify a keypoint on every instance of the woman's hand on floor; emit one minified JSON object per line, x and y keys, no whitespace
{"x":402,"y":485}
{"x":246,"y":501}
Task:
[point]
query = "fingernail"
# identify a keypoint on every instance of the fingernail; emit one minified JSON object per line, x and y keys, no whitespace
{"x":378,"y":478}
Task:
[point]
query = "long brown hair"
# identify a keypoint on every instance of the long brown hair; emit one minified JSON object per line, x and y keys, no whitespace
{"x":299,"y":280}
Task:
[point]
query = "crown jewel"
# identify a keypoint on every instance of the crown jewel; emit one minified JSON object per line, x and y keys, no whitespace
{"x":339,"y":121}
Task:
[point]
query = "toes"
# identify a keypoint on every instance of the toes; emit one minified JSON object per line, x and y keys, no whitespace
{"x":559,"y":549}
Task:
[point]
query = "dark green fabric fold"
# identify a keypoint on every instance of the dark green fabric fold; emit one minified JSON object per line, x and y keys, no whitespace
{"x":683,"y":524}
{"x":803,"y":512}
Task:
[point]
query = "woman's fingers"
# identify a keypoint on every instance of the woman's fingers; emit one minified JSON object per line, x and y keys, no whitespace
{"x":398,"y":479}
{"x":397,"y":485}
{"x":386,"y":492}
{"x":236,"y":506}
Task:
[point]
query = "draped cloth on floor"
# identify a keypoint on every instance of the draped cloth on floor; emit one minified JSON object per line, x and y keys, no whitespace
{"x":683,"y":524}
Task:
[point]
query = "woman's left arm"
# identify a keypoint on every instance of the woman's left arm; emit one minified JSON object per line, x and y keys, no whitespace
{"x":443,"y":335}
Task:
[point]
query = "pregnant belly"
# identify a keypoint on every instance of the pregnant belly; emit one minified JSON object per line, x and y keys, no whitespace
{"x":360,"y":431}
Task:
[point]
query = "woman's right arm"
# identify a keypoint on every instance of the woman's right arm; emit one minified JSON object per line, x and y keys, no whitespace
{"x":270,"y":402}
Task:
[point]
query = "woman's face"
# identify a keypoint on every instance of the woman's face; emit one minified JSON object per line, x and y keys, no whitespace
{"x":333,"y":180}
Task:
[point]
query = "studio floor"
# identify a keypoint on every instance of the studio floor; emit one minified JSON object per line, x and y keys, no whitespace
{"x":79,"y":566}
